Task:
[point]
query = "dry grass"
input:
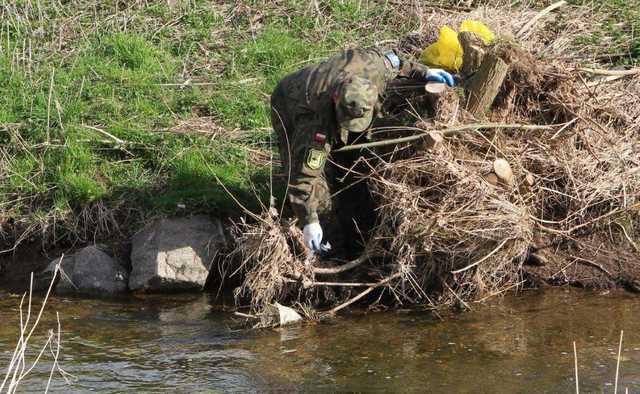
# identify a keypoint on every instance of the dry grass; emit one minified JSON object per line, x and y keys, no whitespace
{"x":437,"y":215}
{"x":272,"y":255}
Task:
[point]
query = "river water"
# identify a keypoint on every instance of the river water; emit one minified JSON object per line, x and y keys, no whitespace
{"x":187,"y":344}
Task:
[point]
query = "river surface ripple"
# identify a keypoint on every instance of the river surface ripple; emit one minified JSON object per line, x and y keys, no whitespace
{"x":188,"y":344}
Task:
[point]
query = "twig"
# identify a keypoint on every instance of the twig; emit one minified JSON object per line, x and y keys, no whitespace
{"x":615,"y":387}
{"x":113,"y":137}
{"x":482,"y":259}
{"x":457,"y":296}
{"x":245,"y":315}
{"x":501,"y":291}
{"x":569,"y":123}
{"x":170,"y":23}
{"x":524,"y":29}
{"x":613,"y":73}
{"x":335,"y":284}
{"x":247,"y":211}
{"x":288,"y":167}
{"x":56,"y":355}
{"x":591,"y":263}
{"x":187,"y":83}
{"x":364,"y":293}
{"x":341,"y":268}
{"x":633,"y":244}
{"x":37,"y":359}
{"x":575,"y":358}
{"x":444,"y":132}
{"x":604,"y":80}
{"x":49,"y":107}
{"x":606,"y":215}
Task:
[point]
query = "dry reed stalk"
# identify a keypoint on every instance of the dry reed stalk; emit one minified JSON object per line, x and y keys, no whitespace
{"x":615,"y":387}
{"x":575,"y":362}
{"x":17,"y":369}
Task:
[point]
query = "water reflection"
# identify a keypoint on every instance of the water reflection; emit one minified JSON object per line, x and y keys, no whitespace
{"x":188,"y":344}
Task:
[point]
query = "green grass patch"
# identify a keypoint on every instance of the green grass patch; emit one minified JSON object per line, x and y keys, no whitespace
{"x":619,"y":30}
{"x":89,"y":96}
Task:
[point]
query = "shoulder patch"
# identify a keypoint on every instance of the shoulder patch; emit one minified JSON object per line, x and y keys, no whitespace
{"x":393,"y":59}
{"x":315,"y":159}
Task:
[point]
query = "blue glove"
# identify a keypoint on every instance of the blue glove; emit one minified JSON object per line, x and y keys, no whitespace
{"x":441,"y":76}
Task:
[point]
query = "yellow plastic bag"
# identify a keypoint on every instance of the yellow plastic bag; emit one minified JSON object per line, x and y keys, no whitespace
{"x":447,"y":51}
{"x":480,"y":29}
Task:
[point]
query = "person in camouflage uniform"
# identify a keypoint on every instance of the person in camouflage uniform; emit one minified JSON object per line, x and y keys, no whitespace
{"x":320,"y":108}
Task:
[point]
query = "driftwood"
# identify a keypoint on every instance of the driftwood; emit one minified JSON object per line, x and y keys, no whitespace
{"x":497,"y":203}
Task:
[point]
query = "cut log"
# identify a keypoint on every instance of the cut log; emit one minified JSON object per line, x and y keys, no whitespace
{"x":483,"y":87}
{"x":435,"y":88}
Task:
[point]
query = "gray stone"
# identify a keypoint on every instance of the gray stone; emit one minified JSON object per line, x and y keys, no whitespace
{"x":90,"y":271}
{"x":174,"y":254}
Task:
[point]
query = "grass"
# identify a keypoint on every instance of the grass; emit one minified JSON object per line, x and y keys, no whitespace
{"x":91,"y":96}
{"x":619,"y":30}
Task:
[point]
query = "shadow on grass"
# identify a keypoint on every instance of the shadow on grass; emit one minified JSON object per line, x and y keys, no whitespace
{"x":198,"y":193}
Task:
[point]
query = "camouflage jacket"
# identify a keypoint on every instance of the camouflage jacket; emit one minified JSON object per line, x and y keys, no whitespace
{"x":303,"y":115}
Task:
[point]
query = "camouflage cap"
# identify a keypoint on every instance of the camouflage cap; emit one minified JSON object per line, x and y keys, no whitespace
{"x":355,"y":102}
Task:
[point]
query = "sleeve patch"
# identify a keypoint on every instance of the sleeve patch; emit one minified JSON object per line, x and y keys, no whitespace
{"x":315,"y":159}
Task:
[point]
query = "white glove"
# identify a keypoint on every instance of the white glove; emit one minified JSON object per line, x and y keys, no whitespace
{"x":313,"y":236}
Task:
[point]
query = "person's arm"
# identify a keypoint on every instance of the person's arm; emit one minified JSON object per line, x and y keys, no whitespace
{"x":412,"y":69}
{"x":307,"y":185}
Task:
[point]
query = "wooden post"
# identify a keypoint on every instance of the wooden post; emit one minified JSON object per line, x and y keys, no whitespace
{"x":483,"y":71}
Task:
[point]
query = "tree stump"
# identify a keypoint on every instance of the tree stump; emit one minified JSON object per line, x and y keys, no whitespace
{"x":474,"y":51}
{"x":484,"y":71}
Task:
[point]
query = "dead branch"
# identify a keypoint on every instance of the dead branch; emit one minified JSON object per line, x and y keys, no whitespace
{"x":448,"y":132}
{"x":532,"y":22}
{"x":341,"y":268}
{"x":361,"y":295}
{"x":613,"y":73}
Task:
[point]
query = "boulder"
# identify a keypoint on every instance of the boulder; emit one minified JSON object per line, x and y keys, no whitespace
{"x":174,"y":254}
{"x":90,"y":271}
